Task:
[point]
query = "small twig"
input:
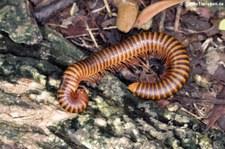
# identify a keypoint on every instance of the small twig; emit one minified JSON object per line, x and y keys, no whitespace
{"x":213,"y":101}
{"x":56,"y":25}
{"x":200,"y":111}
{"x":143,"y":64}
{"x":177,"y":21}
{"x":92,"y":29}
{"x":190,"y":31}
{"x":92,"y":36}
{"x":83,"y":44}
{"x":206,"y":43}
{"x":209,"y":100}
{"x":99,"y":9}
{"x":107,"y":7}
{"x":162,"y":20}
{"x":190,"y":113}
{"x":80,"y":35}
{"x":44,"y":13}
{"x":105,"y":28}
{"x":141,"y":1}
{"x":172,"y":29}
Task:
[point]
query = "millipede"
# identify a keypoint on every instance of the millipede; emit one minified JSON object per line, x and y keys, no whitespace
{"x":73,"y":98}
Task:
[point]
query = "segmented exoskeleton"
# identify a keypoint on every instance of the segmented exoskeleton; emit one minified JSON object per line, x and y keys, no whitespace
{"x":176,"y":61}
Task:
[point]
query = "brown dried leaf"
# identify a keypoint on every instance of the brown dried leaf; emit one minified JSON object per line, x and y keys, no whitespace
{"x":212,"y":59}
{"x":198,"y":66}
{"x":218,"y":110}
{"x":219,"y":74}
{"x":204,"y":12}
{"x":221,"y":122}
{"x":151,"y":10}
{"x":163,"y":103}
{"x":127,"y":14}
{"x":74,"y":25}
{"x":195,"y":22}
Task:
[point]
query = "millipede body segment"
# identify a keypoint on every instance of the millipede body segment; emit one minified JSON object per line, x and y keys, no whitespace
{"x":176,"y":61}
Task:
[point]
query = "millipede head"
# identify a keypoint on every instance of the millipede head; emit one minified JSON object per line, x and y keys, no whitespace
{"x":73,"y":102}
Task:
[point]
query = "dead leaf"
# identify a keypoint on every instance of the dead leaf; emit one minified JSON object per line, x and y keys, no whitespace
{"x":151,"y":10}
{"x":202,"y":81}
{"x":195,"y":23}
{"x":73,"y":30}
{"x":128,"y":75}
{"x":218,"y":110}
{"x":198,"y":66}
{"x":112,"y":37}
{"x":127,"y":14}
{"x":212,"y":59}
{"x":219,"y":74}
{"x":204,"y":12}
{"x":163,"y":103}
{"x":221,"y":94}
{"x":221,"y":122}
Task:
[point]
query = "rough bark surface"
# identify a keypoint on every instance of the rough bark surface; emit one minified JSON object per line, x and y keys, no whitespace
{"x":31,"y":118}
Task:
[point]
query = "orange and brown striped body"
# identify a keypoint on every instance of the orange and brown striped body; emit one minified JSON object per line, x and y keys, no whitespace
{"x":74,"y":99}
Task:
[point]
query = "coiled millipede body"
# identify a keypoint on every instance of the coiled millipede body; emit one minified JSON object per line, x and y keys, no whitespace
{"x":176,"y":61}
